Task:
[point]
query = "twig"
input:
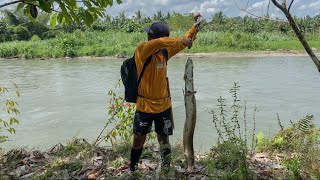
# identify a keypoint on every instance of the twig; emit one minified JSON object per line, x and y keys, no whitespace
{"x":247,"y":4}
{"x":268,"y":8}
{"x":245,"y":122}
{"x":254,"y":129}
{"x":284,"y":4}
{"x":290,"y":5}
{"x":99,"y":137}
{"x":279,"y":121}
{"x":10,"y":3}
{"x":260,"y":17}
{"x":279,"y":6}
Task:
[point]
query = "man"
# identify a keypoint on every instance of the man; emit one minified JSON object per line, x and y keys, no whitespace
{"x":154,"y":101}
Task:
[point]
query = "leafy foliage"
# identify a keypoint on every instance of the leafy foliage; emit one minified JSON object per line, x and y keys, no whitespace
{"x":301,"y":141}
{"x":230,"y":154}
{"x":301,"y":134}
{"x":121,"y":116}
{"x":65,"y":12}
{"x":9,"y":111}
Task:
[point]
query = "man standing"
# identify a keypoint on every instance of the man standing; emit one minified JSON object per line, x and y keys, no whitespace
{"x":154,"y":101}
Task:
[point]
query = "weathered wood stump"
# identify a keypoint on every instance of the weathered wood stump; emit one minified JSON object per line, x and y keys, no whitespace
{"x":189,"y":126}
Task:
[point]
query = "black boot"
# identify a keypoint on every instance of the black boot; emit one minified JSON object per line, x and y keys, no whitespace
{"x":135,"y":156}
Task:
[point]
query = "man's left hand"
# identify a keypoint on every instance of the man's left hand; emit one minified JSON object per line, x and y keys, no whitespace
{"x":197,"y":19}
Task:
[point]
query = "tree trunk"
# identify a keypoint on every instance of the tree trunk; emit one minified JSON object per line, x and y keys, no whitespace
{"x":299,"y":34}
{"x":189,"y":126}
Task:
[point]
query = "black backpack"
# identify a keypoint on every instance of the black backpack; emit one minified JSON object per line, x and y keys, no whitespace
{"x":130,"y":78}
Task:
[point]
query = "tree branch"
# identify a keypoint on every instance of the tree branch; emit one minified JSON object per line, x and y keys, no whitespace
{"x":247,"y":4}
{"x":284,"y":4}
{"x":10,"y":3}
{"x":260,"y":17}
{"x":278,"y":5}
{"x":290,"y":5}
{"x":298,"y":32}
{"x":268,"y":8}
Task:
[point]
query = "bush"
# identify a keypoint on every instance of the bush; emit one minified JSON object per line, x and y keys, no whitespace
{"x":230,"y":154}
{"x":9,"y":113}
{"x":35,"y":38}
{"x":21,"y":33}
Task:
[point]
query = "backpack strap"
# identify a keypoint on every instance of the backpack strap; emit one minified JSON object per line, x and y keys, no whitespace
{"x":165,"y":54}
{"x":144,"y":68}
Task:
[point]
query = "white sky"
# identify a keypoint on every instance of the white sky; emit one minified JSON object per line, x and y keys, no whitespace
{"x":209,"y":7}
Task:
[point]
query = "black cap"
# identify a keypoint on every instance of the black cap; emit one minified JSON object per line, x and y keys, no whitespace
{"x":158,"y":29}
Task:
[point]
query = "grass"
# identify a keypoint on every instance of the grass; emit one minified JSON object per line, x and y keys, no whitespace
{"x":291,"y":153}
{"x":110,"y":43}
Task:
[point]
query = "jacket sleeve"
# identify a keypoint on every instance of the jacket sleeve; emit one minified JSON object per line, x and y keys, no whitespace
{"x":190,"y":33}
{"x":173,"y":45}
{"x":154,"y":45}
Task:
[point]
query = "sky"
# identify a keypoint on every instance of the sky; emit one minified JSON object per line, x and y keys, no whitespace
{"x":208,"y":7}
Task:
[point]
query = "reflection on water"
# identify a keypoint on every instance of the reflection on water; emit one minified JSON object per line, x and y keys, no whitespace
{"x":61,"y":99}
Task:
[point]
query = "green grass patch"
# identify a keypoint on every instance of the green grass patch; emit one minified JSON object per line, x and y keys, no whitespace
{"x":110,"y":43}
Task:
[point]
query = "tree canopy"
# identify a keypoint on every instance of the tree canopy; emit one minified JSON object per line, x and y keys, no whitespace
{"x":64,"y":11}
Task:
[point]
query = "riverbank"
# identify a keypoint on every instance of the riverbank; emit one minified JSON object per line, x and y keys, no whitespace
{"x":278,"y":53}
{"x":111,"y":44}
{"x":291,"y":153}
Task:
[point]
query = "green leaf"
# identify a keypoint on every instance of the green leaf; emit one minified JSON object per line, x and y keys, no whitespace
{"x":103,"y":3}
{"x":53,"y":20}
{"x":11,"y":130}
{"x":61,"y":20}
{"x":87,"y":3}
{"x":11,"y":121}
{"x":88,"y":18}
{"x":18,"y":94}
{"x":43,"y":5}
{"x":5,"y":124}
{"x":20,"y":6}
{"x":26,"y":10}
{"x":71,"y":3}
{"x":16,"y":121}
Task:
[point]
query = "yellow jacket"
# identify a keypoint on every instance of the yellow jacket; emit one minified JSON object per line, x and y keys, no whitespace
{"x":153,"y":88}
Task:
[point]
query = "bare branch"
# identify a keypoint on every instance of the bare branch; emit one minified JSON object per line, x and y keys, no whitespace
{"x":284,"y":4}
{"x":298,"y":32}
{"x":290,"y":5}
{"x":268,"y":8}
{"x":10,"y":3}
{"x":278,"y":5}
{"x":259,"y":17}
{"x":247,"y":4}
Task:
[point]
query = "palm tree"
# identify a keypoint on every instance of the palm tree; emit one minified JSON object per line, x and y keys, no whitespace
{"x":159,"y":16}
{"x":138,"y":17}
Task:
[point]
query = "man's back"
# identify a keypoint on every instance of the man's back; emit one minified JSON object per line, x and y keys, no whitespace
{"x":153,"y":92}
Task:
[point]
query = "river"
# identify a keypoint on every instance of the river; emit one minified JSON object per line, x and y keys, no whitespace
{"x":62,"y":99}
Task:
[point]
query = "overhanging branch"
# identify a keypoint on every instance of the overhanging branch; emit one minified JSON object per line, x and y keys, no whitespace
{"x":290,"y":5}
{"x":278,"y":5}
{"x":10,"y":3}
{"x":260,"y":17}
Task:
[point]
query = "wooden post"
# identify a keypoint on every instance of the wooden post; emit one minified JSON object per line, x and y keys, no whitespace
{"x":191,"y":112}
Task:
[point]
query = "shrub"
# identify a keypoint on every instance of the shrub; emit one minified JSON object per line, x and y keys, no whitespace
{"x":8,"y":113}
{"x":230,"y":154}
{"x":35,"y":38}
